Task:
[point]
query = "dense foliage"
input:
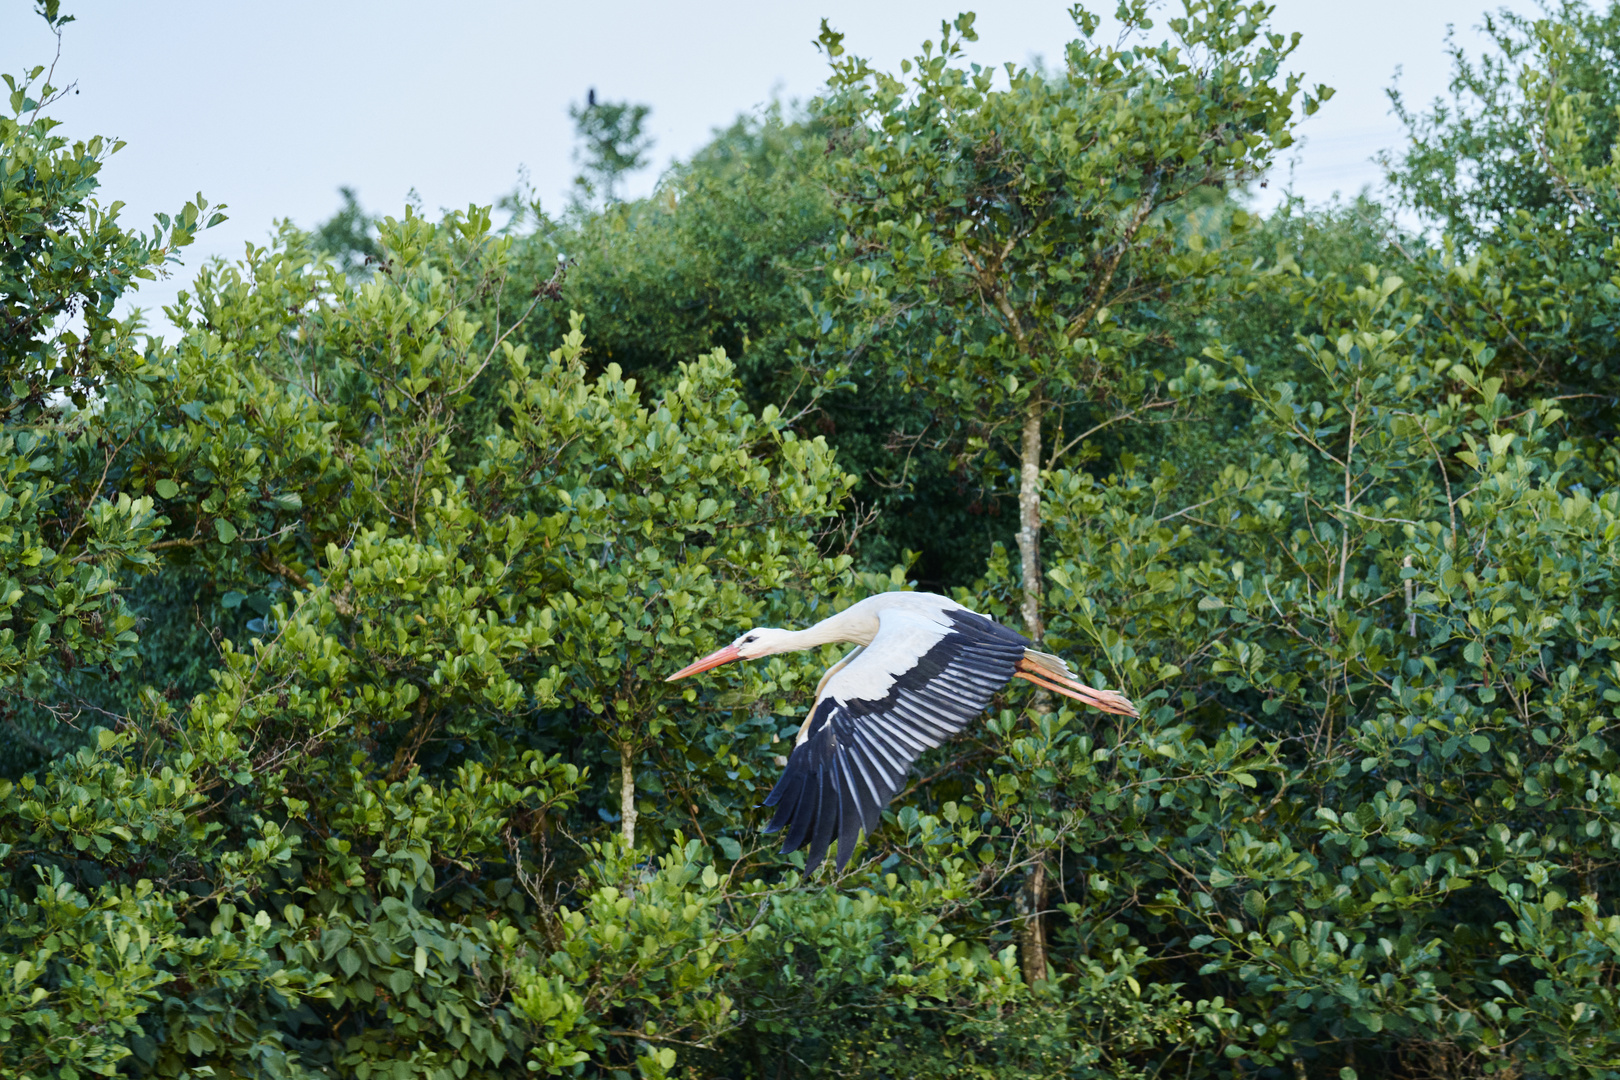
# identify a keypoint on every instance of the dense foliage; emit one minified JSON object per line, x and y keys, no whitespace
{"x":333,"y":630}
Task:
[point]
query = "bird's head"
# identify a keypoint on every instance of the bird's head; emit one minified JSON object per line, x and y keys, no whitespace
{"x":761,"y":641}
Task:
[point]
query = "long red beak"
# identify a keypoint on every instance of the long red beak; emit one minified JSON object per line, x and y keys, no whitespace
{"x":713,"y":660}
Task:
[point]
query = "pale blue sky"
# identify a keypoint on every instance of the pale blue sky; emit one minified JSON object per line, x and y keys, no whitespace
{"x":269,"y":107}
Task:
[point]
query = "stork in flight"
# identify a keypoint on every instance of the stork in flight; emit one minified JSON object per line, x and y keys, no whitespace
{"x":923,"y":666}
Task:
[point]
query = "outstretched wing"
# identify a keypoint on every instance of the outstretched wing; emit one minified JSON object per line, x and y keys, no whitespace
{"x":923,"y":678}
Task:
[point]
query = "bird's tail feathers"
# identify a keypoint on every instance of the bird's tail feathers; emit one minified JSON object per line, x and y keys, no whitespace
{"x":1049,"y":663}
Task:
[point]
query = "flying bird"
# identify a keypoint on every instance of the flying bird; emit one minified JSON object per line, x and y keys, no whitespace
{"x":922,"y":668}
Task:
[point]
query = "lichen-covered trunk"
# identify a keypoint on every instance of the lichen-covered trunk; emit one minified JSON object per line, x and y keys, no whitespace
{"x":1033,"y":901}
{"x":627,"y":793}
{"x":1032,"y":945}
{"x":1029,"y":522}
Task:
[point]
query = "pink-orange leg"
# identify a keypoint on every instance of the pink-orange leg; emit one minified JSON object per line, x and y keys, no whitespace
{"x":1106,"y":700}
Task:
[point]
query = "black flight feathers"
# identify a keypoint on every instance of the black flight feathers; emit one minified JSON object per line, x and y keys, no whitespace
{"x":858,"y":753}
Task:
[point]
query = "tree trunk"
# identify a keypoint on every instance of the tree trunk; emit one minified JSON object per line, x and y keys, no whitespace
{"x":1029,"y":522}
{"x":627,"y":793}
{"x":1033,"y":899}
{"x":1032,"y":952}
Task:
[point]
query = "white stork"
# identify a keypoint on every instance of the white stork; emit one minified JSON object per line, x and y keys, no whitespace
{"x":923,"y":666}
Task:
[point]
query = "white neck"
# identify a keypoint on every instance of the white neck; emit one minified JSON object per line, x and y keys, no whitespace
{"x":848,"y":625}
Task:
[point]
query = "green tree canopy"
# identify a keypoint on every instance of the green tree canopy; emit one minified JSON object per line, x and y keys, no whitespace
{"x":613,"y":143}
{"x":1005,"y":234}
{"x":333,"y":632}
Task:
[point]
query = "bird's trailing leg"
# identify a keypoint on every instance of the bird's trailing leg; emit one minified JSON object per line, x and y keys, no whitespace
{"x":1042,"y":675}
